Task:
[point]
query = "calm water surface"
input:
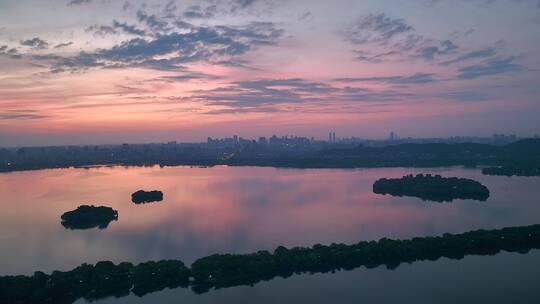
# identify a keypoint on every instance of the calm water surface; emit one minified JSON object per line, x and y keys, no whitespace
{"x":245,"y":209}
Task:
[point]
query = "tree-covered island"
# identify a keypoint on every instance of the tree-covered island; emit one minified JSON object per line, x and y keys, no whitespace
{"x":432,"y":188}
{"x":143,"y":197}
{"x":86,"y":217}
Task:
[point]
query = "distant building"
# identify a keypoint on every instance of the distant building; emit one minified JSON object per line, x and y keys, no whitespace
{"x":332,"y":136}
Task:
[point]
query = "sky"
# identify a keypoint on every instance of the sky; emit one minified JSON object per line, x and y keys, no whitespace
{"x":104,"y":71}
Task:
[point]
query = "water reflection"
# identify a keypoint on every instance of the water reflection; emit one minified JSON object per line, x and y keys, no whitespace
{"x":504,"y":278}
{"x":225,"y":271}
{"x":237,"y":210}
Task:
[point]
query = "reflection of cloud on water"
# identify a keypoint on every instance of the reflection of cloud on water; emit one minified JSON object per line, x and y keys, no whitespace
{"x":231,"y":209}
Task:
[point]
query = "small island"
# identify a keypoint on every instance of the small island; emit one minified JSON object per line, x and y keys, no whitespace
{"x":143,"y":197}
{"x":432,"y":188}
{"x":87,"y":217}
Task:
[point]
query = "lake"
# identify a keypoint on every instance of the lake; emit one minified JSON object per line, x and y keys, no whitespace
{"x":245,"y":209}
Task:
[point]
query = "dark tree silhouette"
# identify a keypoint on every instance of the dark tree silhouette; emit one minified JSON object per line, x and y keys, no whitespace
{"x":432,"y":188}
{"x":142,"y":197}
{"x":87,"y":217}
{"x":106,"y":279}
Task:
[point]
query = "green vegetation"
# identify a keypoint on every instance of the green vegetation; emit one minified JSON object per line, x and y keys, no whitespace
{"x":432,"y":188}
{"x":224,"y":270}
{"x":513,"y":170}
{"x":86,"y":217}
{"x":142,"y":197}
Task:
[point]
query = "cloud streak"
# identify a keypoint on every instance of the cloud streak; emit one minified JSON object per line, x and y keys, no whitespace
{"x":78,"y":2}
{"x":171,"y":51}
{"x":282,"y":95}
{"x":35,"y":43}
{"x":21,"y":115}
{"x":489,"y":68}
{"x":431,"y":52}
{"x":376,"y":29}
{"x":418,"y":78}
{"x":213,"y":9}
{"x":396,"y":38}
{"x":479,"y":54}
{"x":12,"y":53}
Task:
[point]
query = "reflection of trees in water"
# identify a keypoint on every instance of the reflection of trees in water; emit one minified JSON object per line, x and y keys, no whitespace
{"x":84,"y":226}
{"x":226,"y":270}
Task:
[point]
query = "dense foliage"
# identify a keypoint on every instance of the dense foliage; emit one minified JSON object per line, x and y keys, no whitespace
{"x":308,"y":155}
{"x":514,"y":170}
{"x":432,"y":188}
{"x":223,"y":270}
{"x":105,"y":279}
{"x":86,"y":217}
{"x":141,"y":196}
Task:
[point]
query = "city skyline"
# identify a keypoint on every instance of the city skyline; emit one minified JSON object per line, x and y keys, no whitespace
{"x":391,"y":138}
{"x":105,"y":72}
